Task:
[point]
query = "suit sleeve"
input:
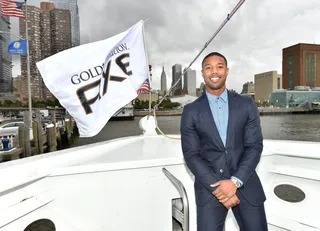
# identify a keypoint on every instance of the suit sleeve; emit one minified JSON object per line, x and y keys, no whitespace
{"x":191,"y":150}
{"x":253,"y":145}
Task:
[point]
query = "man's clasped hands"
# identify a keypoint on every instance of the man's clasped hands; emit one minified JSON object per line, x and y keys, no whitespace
{"x":226,"y":193}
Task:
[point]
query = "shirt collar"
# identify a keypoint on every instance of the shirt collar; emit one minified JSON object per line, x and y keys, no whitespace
{"x":223,"y":96}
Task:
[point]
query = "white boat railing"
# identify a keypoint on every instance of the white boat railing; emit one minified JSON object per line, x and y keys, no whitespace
{"x":180,"y":207}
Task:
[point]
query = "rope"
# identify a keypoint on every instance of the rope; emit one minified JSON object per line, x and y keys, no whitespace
{"x":162,"y":133}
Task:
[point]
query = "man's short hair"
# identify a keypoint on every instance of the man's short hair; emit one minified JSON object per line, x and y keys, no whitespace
{"x":215,"y":54}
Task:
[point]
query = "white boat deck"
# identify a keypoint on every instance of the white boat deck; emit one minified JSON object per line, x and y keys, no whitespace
{"x":141,"y":149}
{"x":104,"y":171}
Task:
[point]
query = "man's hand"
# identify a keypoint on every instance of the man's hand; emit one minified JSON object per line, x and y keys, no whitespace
{"x":225,"y":190}
{"x":233,"y":201}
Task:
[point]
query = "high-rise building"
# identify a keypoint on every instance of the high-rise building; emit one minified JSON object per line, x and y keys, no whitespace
{"x":34,"y":34}
{"x":55,"y":33}
{"x":176,"y":74}
{"x":45,"y":29}
{"x":163,"y":82}
{"x":301,"y":66}
{"x":55,"y":30}
{"x":266,"y":83}
{"x":60,"y":30}
{"x":72,"y":6}
{"x":5,"y":64}
{"x":49,"y":32}
{"x":190,"y":82}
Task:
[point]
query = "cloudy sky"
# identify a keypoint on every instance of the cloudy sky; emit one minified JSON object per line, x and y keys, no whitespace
{"x":177,"y":30}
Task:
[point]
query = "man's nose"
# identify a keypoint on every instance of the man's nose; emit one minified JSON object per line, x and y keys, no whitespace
{"x":214,"y":70}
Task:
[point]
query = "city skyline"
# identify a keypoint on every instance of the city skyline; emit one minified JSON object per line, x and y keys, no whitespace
{"x":72,"y":6}
{"x":249,"y":47}
{"x":49,"y":31}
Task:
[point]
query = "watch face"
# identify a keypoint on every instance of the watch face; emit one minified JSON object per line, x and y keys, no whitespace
{"x":237,"y":183}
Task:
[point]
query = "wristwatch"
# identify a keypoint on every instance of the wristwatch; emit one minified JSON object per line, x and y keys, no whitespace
{"x":236,"y":182}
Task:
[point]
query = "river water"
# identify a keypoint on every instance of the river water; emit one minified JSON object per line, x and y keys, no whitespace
{"x":279,"y":127}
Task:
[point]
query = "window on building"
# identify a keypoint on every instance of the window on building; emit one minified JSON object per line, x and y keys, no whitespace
{"x":278,"y":83}
{"x":311,"y":69}
{"x":307,"y":70}
{"x":290,"y":76}
{"x":314,"y":70}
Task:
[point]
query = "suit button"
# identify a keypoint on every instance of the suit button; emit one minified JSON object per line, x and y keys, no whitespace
{"x":226,"y":151}
{"x":221,"y":170}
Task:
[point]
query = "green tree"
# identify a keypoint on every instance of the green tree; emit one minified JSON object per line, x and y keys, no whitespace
{"x":17,"y":104}
{"x":8,"y":103}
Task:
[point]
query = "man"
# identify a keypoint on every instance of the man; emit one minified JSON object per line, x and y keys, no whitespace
{"x":222,"y":145}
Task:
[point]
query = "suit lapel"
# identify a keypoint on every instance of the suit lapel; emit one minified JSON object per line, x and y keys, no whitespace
{"x":231,"y":108}
{"x":212,"y":124}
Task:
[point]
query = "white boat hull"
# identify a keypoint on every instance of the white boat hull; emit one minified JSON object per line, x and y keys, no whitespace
{"x":120,"y":185}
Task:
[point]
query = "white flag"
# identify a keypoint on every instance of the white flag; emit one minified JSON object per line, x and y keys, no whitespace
{"x":94,"y":80}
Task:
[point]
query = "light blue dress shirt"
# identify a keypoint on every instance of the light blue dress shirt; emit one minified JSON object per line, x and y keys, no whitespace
{"x":220,"y":110}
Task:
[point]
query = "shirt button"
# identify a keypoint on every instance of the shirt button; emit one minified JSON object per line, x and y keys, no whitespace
{"x":221,"y":170}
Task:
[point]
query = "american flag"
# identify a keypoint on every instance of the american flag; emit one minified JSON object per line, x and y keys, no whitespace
{"x":11,"y":8}
{"x":144,"y":88}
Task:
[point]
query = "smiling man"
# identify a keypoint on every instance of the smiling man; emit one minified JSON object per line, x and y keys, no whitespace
{"x":222,"y":144}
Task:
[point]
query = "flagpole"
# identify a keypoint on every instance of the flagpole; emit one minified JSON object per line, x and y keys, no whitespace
{"x":28,"y":66}
{"x":147,"y":60}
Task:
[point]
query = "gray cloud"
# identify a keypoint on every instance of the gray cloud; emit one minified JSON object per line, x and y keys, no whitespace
{"x":252,"y":40}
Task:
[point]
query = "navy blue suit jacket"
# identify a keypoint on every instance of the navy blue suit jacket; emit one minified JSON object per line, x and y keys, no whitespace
{"x":209,"y":160}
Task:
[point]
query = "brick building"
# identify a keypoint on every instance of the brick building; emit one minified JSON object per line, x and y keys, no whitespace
{"x":49,"y":31}
{"x":301,"y":66}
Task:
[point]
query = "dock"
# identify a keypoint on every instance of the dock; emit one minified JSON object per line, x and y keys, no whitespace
{"x":56,"y":135}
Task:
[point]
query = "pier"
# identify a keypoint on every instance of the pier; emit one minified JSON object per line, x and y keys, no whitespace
{"x":56,"y":134}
